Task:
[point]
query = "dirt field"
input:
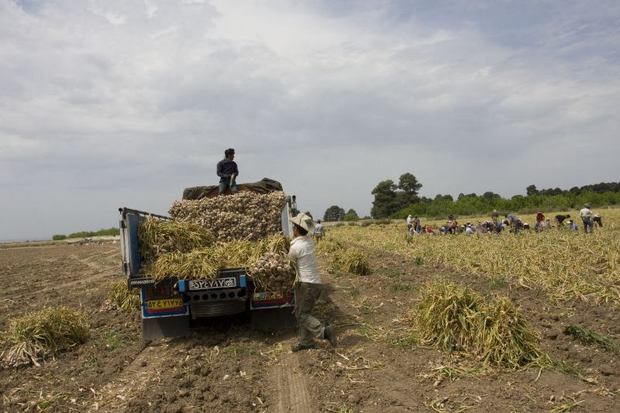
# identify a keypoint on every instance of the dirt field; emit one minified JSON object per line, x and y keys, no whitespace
{"x":375,"y":368}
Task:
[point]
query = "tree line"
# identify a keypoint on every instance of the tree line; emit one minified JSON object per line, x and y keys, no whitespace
{"x":399,"y":199}
{"x":84,"y":234}
{"x":393,"y":200}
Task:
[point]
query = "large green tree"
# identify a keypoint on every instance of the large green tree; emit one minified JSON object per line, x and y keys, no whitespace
{"x":408,"y":186}
{"x":334,"y":213}
{"x":386,"y":201}
{"x":351,"y":215}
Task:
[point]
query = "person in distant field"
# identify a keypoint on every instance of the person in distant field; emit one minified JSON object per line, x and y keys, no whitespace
{"x":308,"y":286}
{"x":495,"y":216}
{"x":469,"y":229}
{"x":318,"y":231}
{"x":547,"y":224}
{"x":559,"y":219}
{"x":429,"y":230}
{"x":409,"y":223}
{"x":452,"y":225}
{"x":572,"y":225}
{"x":540,"y":221}
{"x":227,"y":171}
{"x":586,"y":217}
{"x":598,"y":220}
{"x":515,"y":222}
{"x":417,"y":225}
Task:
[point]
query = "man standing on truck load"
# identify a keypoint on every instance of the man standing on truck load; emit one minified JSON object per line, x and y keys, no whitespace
{"x":308,"y":286}
{"x":227,"y":171}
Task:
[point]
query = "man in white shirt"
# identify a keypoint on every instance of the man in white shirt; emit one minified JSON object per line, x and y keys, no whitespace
{"x":586,"y":217}
{"x":308,"y":286}
{"x":318,"y":231}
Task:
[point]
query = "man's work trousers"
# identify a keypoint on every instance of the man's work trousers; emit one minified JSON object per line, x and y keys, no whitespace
{"x":306,"y":295}
{"x":226,"y":184}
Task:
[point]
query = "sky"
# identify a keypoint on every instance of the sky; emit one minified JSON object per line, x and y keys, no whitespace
{"x":114,"y":103}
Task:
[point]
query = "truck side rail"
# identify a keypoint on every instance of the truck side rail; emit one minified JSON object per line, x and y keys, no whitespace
{"x":130,"y":249}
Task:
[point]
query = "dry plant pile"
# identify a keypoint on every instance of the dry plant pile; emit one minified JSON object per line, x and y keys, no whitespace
{"x":35,"y":336}
{"x":455,"y":318}
{"x":265,"y":260}
{"x":244,"y":215}
{"x":344,"y":259}
{"x":564,"y":264}
{"x":122,"y":297}
{"x":160,"y":236}
{"x":206,"y":235}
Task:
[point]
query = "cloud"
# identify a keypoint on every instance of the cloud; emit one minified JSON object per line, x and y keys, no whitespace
{"x":128,"y":102}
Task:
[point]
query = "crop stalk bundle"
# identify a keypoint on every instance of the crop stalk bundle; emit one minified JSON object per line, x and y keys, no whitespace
{"x":160,"y":236}
{"x":206,"y":235}
{"x":35,"y":336}
{"x":456,"y":318}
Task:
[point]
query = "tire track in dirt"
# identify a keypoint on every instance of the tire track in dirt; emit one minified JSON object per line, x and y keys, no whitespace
{"x":146,"y":368}
{"x":292,"y":387}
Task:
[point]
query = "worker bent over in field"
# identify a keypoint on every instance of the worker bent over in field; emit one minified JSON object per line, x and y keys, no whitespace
{"x":308,"y":286}
{"x":227,"y":171}
{"x":515,"y":222}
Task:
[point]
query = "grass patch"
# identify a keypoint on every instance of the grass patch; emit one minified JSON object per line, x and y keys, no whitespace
{"x":567,"y":367}
{"x":586,"y":336}
{"x":398,"y":287}
{"x":497,"y":283}
{"x":35,"y":336}
{"x":112,"y":340}
{"x":406,"y":341}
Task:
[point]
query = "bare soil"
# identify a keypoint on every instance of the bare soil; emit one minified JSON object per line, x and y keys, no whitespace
{"x":376,"y":367}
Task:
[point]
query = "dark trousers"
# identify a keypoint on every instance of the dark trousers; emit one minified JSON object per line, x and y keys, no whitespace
{"x":225,"y":184}
{"x":306,"y":295}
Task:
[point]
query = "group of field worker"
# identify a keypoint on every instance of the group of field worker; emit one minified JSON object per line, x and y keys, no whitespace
{"x":510,"y":222}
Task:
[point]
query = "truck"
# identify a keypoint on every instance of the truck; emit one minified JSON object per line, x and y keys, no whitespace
{"x":173,"y":306}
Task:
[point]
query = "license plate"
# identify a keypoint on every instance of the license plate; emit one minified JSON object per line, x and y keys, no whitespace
{"x":168,"y":303}
{"x":227,"y":282}
{"x":265,"y":295}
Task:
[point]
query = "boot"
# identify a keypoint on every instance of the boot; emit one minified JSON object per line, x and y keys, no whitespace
{"x":330,"y":335}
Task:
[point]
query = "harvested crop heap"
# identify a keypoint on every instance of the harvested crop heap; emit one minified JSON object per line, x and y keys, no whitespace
{"x":241,"y":230}
{"x":160,"y":236}
{"x":344,"y":259}
{"x":245,"y":215}
{"x":34,"y":336}
{"x":123,"y":298}
{"x":456,"y":318}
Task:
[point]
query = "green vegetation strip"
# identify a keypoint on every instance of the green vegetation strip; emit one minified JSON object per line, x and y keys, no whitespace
{"x":590,"y":337}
